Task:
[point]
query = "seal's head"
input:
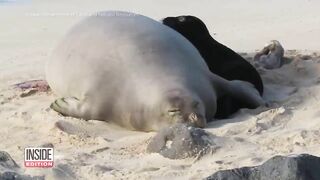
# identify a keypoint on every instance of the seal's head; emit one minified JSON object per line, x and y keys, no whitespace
{"x":182,"y":107}
{"x":189,"y":26}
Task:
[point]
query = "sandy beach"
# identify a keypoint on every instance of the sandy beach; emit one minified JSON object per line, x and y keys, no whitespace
{"x":93,"y":149}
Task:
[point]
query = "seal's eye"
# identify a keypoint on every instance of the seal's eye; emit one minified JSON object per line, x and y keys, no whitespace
{"x":181,"y":19}
{"x":195,"y":104}
{"x":173,"y":112}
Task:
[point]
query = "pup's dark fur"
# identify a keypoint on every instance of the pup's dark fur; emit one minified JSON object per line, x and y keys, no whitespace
{"x":220,"y":59}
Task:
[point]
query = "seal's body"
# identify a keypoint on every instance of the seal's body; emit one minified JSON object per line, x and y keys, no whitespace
{"x":131,"y":70}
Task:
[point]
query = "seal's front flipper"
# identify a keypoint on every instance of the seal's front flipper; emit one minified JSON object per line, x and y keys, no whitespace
{"x":70,"y":106}
{"x":245,"y":91}
{"x":240,"y":90}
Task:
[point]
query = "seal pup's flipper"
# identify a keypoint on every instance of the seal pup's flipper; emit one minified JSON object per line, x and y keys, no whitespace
{"x":69,"y":106}
{"x":240,"y":90}
{"x":245,"y":91}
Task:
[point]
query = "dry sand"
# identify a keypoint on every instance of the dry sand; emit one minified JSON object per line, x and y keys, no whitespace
{"x":98,"y":150}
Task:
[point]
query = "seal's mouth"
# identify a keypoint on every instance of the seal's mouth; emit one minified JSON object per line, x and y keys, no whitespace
{"x":168,"y":21}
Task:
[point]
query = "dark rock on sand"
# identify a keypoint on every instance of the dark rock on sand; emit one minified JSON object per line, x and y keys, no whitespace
{"x":63,"y":171}
{"x":15,"y":176}
{"x":301,"y":167}
{"x":8,"y":168}
{"x":6,"y":161}
{"x":181,"y":141}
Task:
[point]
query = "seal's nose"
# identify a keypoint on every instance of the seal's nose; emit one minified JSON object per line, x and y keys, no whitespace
{"x":169,"y":21}
{"x":164,"y":20}
{"x":197,"y":120}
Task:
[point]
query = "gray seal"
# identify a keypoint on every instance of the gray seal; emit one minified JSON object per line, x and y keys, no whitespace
{"x":132,"y":70}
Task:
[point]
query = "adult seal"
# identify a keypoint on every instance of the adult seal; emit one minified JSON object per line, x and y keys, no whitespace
{"x":220,"y":59}
{"x":131,"y":70}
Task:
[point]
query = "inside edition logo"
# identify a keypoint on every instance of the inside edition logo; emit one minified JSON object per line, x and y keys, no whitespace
{"x":38,"y":157}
